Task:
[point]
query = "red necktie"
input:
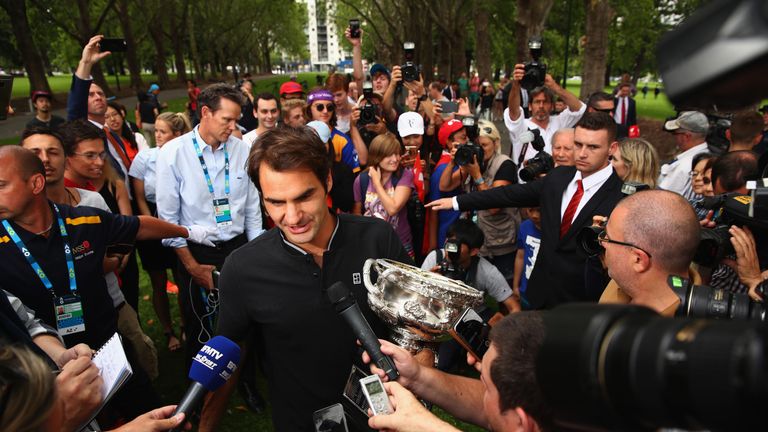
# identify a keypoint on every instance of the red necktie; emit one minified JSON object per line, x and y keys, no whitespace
{"x":623,"y":110}
{"x":570,"y":211}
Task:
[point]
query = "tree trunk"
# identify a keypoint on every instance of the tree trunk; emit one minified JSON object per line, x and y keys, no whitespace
{"x":482,"y":40}
{"x":134,"y":68}
{"x":156,"y":33}
{"x":177,"y":40}
{"x":194,"y":55}
{"x":33,"y":63}
{"x":599,"y":14}
{"x":443,"y":56}
{"x":531,"y":16}
{"x":458,"y":56}
{"x":427,"y":52}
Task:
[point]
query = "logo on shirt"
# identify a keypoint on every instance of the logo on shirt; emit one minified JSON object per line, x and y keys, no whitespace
{"x":356,"y":279}
{"x":82,"y":250}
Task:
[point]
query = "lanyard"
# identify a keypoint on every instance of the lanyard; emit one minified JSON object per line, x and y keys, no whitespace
{"x":205,"y":167}
{"x":33,"y":262}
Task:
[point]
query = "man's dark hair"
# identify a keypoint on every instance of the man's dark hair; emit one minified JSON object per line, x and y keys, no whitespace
{"x":517,"y":339}
{"x":746,"y":126}
{"x":598,"y":96}
{"x":596,"y":121}
{"x":466,"y":232}
{"x":40,"y":130}
{"x":75,"y":131}
{"x":212,"y":95}
{"x":288,"y":149}
{"x":27,"y":163}
{"x":262,"y":96}
{"x":733,"y":169}
{"x":543,"y":90}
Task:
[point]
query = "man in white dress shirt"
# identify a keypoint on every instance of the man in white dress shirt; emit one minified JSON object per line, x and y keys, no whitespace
{"x":690,"y":130}
{"x":202,"y":180}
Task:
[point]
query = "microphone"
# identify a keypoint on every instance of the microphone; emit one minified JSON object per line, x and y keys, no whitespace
{"x":213,"y":365}
{"x":346,"y":306}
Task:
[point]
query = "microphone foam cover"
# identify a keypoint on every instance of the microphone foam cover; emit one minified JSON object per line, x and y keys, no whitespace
{"x":215,"y":363}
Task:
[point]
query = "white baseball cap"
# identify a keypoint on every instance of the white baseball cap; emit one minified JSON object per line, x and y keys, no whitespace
{"x":322,"y":130}
{"x":410,"y":123}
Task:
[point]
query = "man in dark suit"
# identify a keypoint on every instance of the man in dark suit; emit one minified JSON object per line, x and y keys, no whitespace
{"x":569,"y":197}
{"x":626,"y":111}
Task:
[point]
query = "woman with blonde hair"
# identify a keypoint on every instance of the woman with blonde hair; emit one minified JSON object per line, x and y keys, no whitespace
{"x":384,"y":189}
{"x":636,"y":160}
{"x":155,"y":258}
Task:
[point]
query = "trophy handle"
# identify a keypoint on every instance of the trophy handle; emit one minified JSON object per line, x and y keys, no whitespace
{"x":367,"y":276}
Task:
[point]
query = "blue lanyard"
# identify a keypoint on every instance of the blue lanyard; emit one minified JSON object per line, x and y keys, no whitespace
{"x":205,"y":167}
{"x":33,"y":262}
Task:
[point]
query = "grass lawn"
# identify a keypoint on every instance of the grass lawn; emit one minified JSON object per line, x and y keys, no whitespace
{"x":61,"y":83}
{"x":172,"y":382}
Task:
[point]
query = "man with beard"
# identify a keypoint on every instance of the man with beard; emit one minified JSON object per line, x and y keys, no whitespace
{"x":42,"y":101}
{"x":540,"y":105}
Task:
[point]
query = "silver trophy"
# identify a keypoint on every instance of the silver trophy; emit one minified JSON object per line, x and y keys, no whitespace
{"x":418,"y":306}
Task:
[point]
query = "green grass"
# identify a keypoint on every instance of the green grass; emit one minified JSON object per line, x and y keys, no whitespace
{"x":655,"y":108}
{"x":61,"y":83}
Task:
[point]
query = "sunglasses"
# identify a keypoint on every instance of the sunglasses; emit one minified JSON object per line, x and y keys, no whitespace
{"x":323,"y":107}
{"x":604,"y":110}
{"x":603,"y":238}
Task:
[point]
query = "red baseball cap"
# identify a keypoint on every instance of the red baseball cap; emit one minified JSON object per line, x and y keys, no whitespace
{"x":447,"y":129}
{"x":40,"y":93}
{"x":291,"y":87}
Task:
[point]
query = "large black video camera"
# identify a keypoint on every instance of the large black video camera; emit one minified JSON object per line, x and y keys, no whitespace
{"x":535,"y":72}
{"x":732,"y":209}
{"x":465,"y":152}
{"x":410,"y":69}
{"x":613,"y":367}
{"x":540,"y":164}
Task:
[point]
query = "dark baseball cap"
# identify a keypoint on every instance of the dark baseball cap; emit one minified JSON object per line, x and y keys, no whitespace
{"x":40,"y":93}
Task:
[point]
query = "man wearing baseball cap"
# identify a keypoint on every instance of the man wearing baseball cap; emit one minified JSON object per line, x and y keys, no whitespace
{"x":41,"y":99}
{"x":690,"y":129}
{"x":380,"y":76}
{"x":291,"y":90}
{"x":450,"y":135}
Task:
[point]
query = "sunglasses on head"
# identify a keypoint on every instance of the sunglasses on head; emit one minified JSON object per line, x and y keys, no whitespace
{"x":328,"y":106}
{"x":604,"y":110}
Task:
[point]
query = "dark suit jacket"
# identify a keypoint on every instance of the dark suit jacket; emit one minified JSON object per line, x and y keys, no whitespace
{"x":558,"y":275}
{"x":622,"y":130}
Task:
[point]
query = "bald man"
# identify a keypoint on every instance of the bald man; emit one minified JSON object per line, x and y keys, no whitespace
{"x":649,"y":236}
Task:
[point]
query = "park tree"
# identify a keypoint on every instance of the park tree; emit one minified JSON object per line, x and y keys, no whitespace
{"x":33,"y":61}
{"x":123,"y":12}
{"x":599,"y":14}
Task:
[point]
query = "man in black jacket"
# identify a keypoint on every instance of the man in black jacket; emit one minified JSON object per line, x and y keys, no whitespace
{"x":568,"y":197}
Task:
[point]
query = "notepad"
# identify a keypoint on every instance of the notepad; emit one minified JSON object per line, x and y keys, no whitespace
{"x":114,"y":369}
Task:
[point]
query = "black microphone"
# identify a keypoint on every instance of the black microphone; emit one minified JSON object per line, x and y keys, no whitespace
{"x":346,"y":306}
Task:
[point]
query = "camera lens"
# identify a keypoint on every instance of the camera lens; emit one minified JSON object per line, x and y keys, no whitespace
{"x":587,"y":239}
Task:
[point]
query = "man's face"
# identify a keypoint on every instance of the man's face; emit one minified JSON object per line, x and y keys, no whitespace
{"x":380,"y":82}
{"x":540,"y":107}
{"x":434,"y":93}
{"x":606,"y":106}
{"x":267,"y":112}
{"x":559,"y":106}
{"x":221,"y":122}
{"x":563,"y":149}
{"x":296,"y":202}
{"x":50,"y":151}
{"x":97,"y":101}
{"x":295,"y":117}
{"x":591,"y":150}
{"x":88,"y":159}
{"x":340,"y":98}
{"x":15,"y":192}
{"x":465,"y":254}
{"x":43,"y":104}
{"x":617,"y":257}
{"x":247,"y":87}
{"x":624,"y":91}
{"x":491,"y":396}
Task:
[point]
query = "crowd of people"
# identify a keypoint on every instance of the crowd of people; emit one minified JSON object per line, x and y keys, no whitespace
{"x":257,"y":203}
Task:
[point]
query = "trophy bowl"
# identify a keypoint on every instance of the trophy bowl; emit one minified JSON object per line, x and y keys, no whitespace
{"x":418,"y":306}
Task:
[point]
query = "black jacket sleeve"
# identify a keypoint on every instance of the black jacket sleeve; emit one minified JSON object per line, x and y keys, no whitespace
{"x":514,"y":195}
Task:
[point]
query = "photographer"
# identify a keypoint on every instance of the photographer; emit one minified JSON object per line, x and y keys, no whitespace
{"x":649,"y":236}
{"x":506,"y":397}
{"x":450,"y":135}
{"x":540,"y":105}
{"x":460,"y":260}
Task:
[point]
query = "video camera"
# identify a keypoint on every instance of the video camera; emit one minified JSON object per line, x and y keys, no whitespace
{"x":535,"y":72}
{"x":410,"y":70}
{"x":615,"y":367}
{"x":540,"y":164}
{"x":367,"y":111}
{"x":732,"y":209}
{"x":465,"y":152}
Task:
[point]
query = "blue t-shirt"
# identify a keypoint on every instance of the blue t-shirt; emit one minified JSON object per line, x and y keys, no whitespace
{"x":528,"y":240}
{"x":444,"y":217}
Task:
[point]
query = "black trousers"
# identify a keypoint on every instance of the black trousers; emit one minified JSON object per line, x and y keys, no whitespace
{"x":199,"y":313}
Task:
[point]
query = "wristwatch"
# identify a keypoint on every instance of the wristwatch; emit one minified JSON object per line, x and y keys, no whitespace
{"x":423,"y":97}
{"x":479,"y":181}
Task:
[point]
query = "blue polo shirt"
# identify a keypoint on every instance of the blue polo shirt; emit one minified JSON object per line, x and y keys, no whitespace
{"x":89,"y":232}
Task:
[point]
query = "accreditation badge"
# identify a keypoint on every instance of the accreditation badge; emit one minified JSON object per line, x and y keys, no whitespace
{"x":69,"y":315}
{"x":222,"y":212}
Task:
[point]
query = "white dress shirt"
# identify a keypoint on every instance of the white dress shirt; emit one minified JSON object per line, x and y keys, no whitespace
{"x":591,"y":185}
{"x":144,"y":168}
{"x":566,"y":119}
{"x":250,"y":137}
{"x":676,"y":175}
{"x":622,"y":105}
{"x":183,"y":197}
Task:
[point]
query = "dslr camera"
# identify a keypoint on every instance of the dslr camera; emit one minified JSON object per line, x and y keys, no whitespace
{"x":409,"y":69}
{"x":449,"y":264}
{"x":534,"y":70}
{"x":367,"y":111}
{"x":701,"y":301}
{"x":540,"y":164}
{"x":465,"y":152}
